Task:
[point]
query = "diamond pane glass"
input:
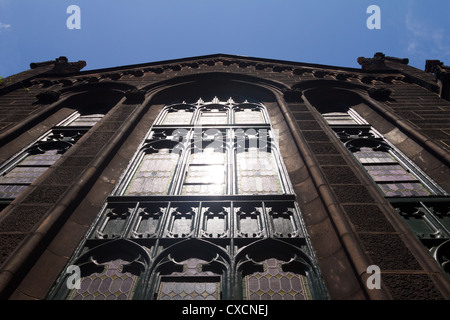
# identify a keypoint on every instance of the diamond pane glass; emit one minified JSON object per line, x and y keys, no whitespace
{"x":389,"y":173}
{"x":181,"y":116}
{"x":11,"y":191}
{"x":275,"y":284}
{"x":22,"y":175}
{"x":111,"y":284}
{"x":257,"y":173}
{"x":404,"y":189}
{"x":367,"y":155}
{"x":41,"y":159}
{"x":189,"y":289}
{"x":154,"y":175}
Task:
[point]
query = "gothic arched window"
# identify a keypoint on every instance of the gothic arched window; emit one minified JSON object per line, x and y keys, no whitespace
{"x":207,"y":180}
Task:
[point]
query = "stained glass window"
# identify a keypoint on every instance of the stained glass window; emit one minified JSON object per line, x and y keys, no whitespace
{"x":380,"y":160}
{"x":13,"y":182}
{"x":338,"y":118}
{"x":111,"y":284}
{"x":190,"y":284}
{"x":181,"y":221}
{"x":191,"y":201}
{"x":154,"y":174}
{"x":275,"y":284}
{"x":257,"y":172}
{"x":177,"y":116}
{"x":282,"y":221}
{"x":249,"y":221}
{"x":215,"y":221}
{"x":88,"y":120}
{"x":367,"y":155}
{"x":214,"y":116}
{"x":187,"y":288}
{"x":23,"y":169}
{"x":206,"y":172}
{"x":404,"y":189}
{"x":148,"y":222}
{"x":248,"y":116}
{"x":114,"y":222}
{"x":383,"y":173}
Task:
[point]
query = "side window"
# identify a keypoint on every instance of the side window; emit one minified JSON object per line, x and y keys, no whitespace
{"x":17,"y":173}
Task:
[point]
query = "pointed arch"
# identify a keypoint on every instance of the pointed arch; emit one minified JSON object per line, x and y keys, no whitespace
{"x":190,"y":269}
{"x":111,"y":271}
{"x":272,"y":269}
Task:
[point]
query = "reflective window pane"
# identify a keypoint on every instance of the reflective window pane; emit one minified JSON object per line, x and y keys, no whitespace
{"x":257,"y":173}
{"x":180,"y":116}
{"x":154,"y":174}
{"x":248,"y":115}
{"x":214,"y":116}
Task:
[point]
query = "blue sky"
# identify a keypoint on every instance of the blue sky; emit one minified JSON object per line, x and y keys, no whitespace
{"x":119,"y":32}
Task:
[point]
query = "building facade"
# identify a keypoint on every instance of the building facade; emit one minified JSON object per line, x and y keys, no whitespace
{"x":225,"y":178}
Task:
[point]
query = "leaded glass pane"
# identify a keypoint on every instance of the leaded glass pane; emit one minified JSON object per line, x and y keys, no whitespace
{"x":22,"y":175}
{"x":110,"y":284}
{"x":180,"y":116}
{"x":389,"y":173}
{"x":181,"y":220}
{"x":404,"y":189}
{"x":86,"y":120}
{"x":248,"y":115}
{"x":206,"y":189}
{"x":206,"y":173}
{"x":249,"y":221}
{"x":257,"y":173}
{"x":338,"y":118}
{"x":41,"y":159}
{"x":275,"y":284}
{"x":215,"y":220}
{"x":282,"y":222}
{"x":367,"y":155}
{"x":148,"y":222}
{"x":154,"y":174}
{"x":115,"y":222}
{"x":214,"y":116}
{"x":182,"y":225}
{"x":11,"y":191}
{"x":186,"y":288}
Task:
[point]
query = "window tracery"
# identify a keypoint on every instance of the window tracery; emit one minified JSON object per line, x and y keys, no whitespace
{"x":206,"y":182}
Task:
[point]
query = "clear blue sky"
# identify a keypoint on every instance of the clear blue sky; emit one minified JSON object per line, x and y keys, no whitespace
{"x":118,"y":32}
